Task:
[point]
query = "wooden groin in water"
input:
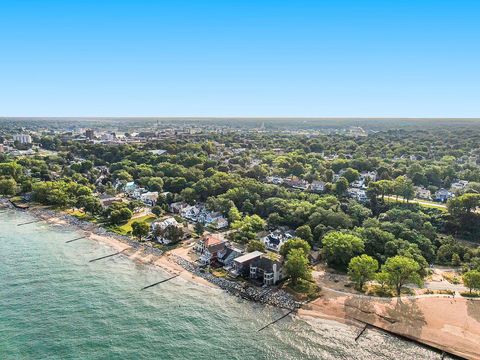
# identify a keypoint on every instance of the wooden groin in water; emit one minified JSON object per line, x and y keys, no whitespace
{"x":107,"y":256}
{"x":30,"y":222}
{"x":159,"y":282}
{"x":79,"y":238}
{"x":277,"y":320}
{"x":438,"y":350}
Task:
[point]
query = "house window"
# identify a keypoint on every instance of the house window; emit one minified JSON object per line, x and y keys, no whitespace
{"x":268,"y":278}
{"x":253,"y":272}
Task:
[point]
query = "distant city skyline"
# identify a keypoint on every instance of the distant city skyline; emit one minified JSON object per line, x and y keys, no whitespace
{"x":341,"y":58}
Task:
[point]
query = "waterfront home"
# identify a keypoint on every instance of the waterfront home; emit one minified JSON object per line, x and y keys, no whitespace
{"x":209,"y":248}
{"x":317,"y":186}
{"x":241,"y":264}
{"x":158,"y":229}
{"x":443,"y":195}
{"x":107,"y":200}
{"x":149,"y":198}
{"x":275,"y":239}
{"x":267,"y":268}
{"x":227,"y":255}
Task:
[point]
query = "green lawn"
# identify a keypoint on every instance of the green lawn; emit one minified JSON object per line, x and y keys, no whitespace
{"x":126,"y":228}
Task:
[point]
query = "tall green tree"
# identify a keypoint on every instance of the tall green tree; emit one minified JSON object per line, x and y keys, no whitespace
{"x":471,"y":279}
{"x":140,"y":229}
{"x":297,"y":266}
{"x":362,"y":269}
{"x":401,"y":270}
{"x":295,"y":243}
{"x":339,"y":248}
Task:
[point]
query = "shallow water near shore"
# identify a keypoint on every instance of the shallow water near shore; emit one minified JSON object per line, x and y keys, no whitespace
{"x":54,"y":304}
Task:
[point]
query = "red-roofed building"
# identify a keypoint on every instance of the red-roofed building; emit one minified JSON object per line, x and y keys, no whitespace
{"x":208,"y":247}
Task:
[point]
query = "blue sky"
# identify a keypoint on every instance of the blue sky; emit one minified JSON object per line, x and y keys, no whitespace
{"x":415,"y":58}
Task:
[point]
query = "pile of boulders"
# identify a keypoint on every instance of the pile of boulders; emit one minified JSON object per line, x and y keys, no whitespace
{"x":275,"y":297}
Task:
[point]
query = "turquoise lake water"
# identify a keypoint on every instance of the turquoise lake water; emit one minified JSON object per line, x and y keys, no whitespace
{"x":54,"y":304}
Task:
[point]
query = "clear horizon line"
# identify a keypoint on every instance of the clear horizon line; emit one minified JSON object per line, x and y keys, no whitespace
{"x":233,"y":117}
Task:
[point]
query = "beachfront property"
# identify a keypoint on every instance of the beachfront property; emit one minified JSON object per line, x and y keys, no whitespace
{"x":275,"y":239}
{"x":258,"y":266}
{"x":241,"y":265}
{"x":267,"y":268}
{"x":158,"y":229}
{"x":228,"y":254}
{"x":199,"y":213}
{"x":209,"y":248}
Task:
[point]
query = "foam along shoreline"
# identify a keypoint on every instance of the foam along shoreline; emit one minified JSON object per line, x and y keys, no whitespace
{"x":451,"y":325}
{"x":445,"y":323}
{"x":133,"y":250}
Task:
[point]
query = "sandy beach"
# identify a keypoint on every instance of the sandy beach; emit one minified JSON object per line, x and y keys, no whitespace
{"x":140,"y":253}
{"x":446,"y":323}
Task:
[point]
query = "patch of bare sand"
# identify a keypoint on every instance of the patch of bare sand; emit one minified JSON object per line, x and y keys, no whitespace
{"x":110,"y":241}
{"x":452,"y":325}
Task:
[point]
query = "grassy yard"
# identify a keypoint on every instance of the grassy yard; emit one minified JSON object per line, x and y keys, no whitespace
{"x":79,"y":214}
{"x":126,"y":228}
{"x":304,"y":290}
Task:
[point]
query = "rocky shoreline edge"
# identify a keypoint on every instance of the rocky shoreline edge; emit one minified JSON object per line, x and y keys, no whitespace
{"x":268,"y":295}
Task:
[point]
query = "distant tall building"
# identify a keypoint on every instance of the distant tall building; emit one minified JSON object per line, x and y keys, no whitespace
{"x":22,"y":138}
{"x":90,"y":134}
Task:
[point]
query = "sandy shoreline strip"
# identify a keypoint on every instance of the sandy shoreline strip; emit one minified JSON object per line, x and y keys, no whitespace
{"x":452,"y":325}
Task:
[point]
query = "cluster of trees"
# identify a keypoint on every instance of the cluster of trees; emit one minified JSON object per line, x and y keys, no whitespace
{"x":297,"y":265}
{"x":228,"y":172}
{"x":395,"y":273}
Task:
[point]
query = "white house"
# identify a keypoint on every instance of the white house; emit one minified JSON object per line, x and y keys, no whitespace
{"x":317,"y":186}
{"x":459,"y":185}
{"x":277,"y":180}
{"x":368,"y":176}
{"x":422,"y":193}
{"x":130,"y":187}
{"x":162,"y":225}
{"x":22,"y":138}
{"x":149,"y":198}
{"x":357,"y":194}
{"x":275,"y":239}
